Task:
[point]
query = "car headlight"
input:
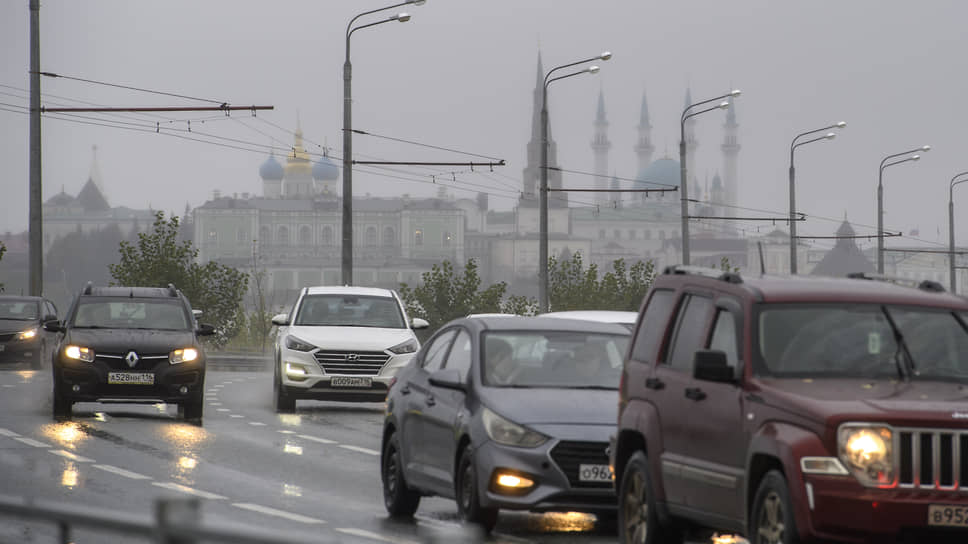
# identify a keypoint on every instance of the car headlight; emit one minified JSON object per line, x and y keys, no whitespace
{"x":868,"y":453}
{"x":410,"y":346}
{"x":509,"y":433}
{"x":28,"y":334}
{"x":79,"y":353}
{"x":183,"y":355}
{"x":296,"y":344}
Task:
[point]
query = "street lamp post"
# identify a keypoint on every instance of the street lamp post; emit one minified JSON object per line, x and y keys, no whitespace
{"x":880,"y":197}
{"x":951,"y":228}
{"x":684,"y":196}
{"x":543,"y":189}
{"x":347,"y":254}
{"x":793,"y":203}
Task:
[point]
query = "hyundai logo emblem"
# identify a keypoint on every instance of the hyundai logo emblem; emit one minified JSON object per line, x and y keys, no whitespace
{"x":131,"y":358}
{"x":352,"y":356}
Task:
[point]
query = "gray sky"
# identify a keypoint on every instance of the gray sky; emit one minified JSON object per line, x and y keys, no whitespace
{"x":461,"y":73}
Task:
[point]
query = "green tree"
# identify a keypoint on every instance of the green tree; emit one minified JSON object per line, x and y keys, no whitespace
{"x":160,"y":257}
{"x":447,"y":294}
{"x":572,"y":286}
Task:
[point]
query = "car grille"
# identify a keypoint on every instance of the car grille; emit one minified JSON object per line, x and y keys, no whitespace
{"x":352,"y":363}
{"x":115,"y":361}
{"x":933,"y":459}
{"x":569,"y":455}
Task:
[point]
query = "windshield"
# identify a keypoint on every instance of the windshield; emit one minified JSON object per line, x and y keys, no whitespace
{"x":131,"y":313}
{"x":553,"y":359}
{"x":18,"y":310}
{"x":350,"y":311}
{"x":860,"y":341}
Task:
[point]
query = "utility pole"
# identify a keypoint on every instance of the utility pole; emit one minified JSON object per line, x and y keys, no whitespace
{"x":36,"y":234}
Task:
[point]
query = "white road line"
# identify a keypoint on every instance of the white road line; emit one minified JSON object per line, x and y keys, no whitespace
{"x":190,"y":491}
{"x":257,"y":424}
{"x":316,"y":439}
{"x":5,"y":432}
{"x":31,"y":442}
{"x":359,"y":449}
{"x":215,"y":404}
{"x":278,"y":513}
{"x":222,"y":410}
{"x":372,"y":535}
{"x":236,"y":415}
{"x":213,"y":390}
{"x":283,"y":431}
{"x":72,"y":456}
{"x":122,"y":472}
{"x":8,"y":385}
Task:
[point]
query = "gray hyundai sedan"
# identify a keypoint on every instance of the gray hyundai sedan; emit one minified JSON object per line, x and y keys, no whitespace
{"x":505,"y":412}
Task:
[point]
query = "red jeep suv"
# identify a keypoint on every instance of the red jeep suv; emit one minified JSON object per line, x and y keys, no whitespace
{"x":794,"y":409}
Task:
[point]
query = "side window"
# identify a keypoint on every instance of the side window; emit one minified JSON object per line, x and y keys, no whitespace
{"x":653,"y":325}
{"x":724,"y":336}
{"x":460,"y":354}
{"x":689,"y":333}
{"x":436,"y":351}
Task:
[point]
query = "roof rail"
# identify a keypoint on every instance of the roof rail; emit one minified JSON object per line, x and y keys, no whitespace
{"x":172,"y":292}
{"x":924,"y":285}
{"x":728,"y":277}
{"x":88,"y":288}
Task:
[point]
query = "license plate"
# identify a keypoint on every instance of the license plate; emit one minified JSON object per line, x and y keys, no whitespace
{"x":134,"y":378}
{"x":350,"y":381}
{"x":947,"y":515}
{"x":594,"y":473}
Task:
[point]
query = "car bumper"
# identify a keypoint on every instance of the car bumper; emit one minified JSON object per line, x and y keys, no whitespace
{"x":845,"y":510}
{"x":554,"y":469}
{"x":19,"y":351}
{"x":85,"y":382}
{"x":303,"y":378}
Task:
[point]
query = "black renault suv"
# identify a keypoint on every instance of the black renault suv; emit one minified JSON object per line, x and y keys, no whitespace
{"x":130,"y":345}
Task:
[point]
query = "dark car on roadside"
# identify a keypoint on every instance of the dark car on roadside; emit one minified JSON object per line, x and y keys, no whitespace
{"x":22,"y":335}
{"x":795,"y":409}
{"x":130,"y":345}
{"x":505,"y":413}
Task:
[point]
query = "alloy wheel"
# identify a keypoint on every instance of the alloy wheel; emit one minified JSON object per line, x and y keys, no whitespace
{"x":636,"y":510}
{"x":770,"y":527}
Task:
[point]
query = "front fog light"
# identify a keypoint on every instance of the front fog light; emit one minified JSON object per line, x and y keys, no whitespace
{"x":510,"y":482}
{"x":296,"y":372}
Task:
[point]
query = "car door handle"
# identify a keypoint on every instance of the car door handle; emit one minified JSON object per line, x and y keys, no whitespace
{"x":695,"y":393}
{"x":430,"y":400}
{"x":654,"y":383}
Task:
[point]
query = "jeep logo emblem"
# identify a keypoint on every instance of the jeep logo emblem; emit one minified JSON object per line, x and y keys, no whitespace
{"x":352,"y":356}
{"x":131,"y":358}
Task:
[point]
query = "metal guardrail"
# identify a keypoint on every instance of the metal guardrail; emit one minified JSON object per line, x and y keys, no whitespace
{"x":175,"y":521}
{"x":237,"y":361}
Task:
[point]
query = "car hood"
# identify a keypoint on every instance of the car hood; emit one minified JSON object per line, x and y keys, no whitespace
{"x":902,"y":403}
{"x":545,"y":407}
{"x":351,"y":338}
{"x":124,"y":340}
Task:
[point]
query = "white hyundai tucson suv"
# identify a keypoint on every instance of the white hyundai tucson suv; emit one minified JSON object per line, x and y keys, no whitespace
{"x":341,"y":343}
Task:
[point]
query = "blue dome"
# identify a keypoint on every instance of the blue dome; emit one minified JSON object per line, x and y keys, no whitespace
{"x":271,"y":169}
{"x":664,"y":171}
{"x":325,"y":170}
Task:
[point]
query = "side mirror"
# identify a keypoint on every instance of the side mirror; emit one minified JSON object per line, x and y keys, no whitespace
{"x":50,"y":317}
{"x":448,"y":378}
{"x":204,"y":329}
{"x":53,"y":326}
{"x":280,"y":319}
{"x":417,"y":323}
{"x":710,"y":365}
{"x":196,"y":313}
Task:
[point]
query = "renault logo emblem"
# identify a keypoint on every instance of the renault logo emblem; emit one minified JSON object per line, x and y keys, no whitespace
{"x":352,"y":356}
{"x":131,"y":358}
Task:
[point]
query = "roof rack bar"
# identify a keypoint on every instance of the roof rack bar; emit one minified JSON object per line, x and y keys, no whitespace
{"x":728,"y":277}
{"x":924,"y":285}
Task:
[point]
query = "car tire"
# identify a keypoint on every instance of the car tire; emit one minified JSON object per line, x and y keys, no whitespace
{"x":398,"y":498}
{"x":468,"y":496}
{"x":283,"y":403}
{"x":772,"y":520}
{"x":63,"y":408}
{"x":191,"y":410}
{"x":638,"y":521}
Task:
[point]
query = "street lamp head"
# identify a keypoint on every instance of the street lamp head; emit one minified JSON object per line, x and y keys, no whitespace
{"x":724,"y":104}
{"x":592,"y":69}
{"x":926,"y":148}
{"x":830,"y":136}
{"x":417,"y":2}
{"x":915,"y":157}
{"x":402,"y":17}
{"x":841,"y":124}
{"x":735,"y":92}
{"x":605,"y":55}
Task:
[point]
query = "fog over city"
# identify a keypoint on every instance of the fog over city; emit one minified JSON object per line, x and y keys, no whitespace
{"x":461,"y":75}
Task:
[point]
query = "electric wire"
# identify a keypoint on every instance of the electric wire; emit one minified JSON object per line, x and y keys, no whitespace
{"x":128,"y":87}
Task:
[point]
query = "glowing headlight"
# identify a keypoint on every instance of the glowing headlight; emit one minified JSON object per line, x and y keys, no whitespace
{"x":868,"y":452}
{"x":183,"y":355}
{"x":79,"y":354}
{"x":410,"y":346}
{"x":508,"y":433}
{"x":296,"y":344}
{"x":28,"y":334}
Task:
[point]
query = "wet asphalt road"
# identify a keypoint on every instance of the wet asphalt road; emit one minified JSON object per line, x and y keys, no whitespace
{"x":312,"y":475}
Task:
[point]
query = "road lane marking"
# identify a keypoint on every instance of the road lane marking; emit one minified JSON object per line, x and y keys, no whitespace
{"x":236,"y":415}
{"x":188,"y":490}
{"x":215,"y":404}
{"x":316,"y":439}
{"x":287,"y":432}
{"x":8,"y":385}
{"x":122,"y":472}
{"x":5,"y":432}
{"x":359,"y":449}
{"x":372,"y":535}
{"x":222,"y":410}
{"x":72,"y":456}
{"x":278,"y":513}
{"x":257,"y":424}
{"x":31,"y":442}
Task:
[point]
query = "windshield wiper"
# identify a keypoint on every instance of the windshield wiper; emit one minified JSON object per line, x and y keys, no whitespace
{"x":902,"y":347}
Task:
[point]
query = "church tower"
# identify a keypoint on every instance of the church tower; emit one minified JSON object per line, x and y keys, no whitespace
{"x":644,"y":148}
{"x":532,"y":171}
{"x":298,"y":181}
{"x":600,"y":147}
{"x":730,"y":149}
